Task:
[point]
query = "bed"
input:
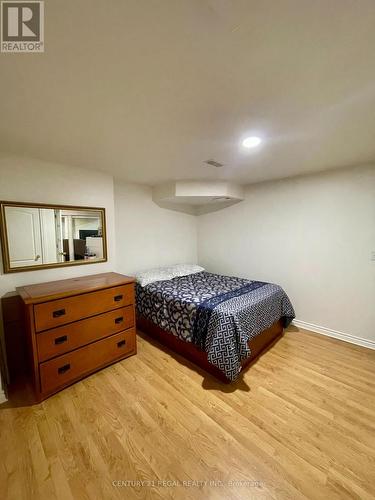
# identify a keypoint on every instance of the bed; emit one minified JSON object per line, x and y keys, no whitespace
{"x":222,"y":323}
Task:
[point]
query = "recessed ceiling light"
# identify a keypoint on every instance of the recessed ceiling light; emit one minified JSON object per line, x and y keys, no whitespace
{"x":251,"y":142}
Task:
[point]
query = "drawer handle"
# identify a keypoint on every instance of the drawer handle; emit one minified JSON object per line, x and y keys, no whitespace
{"x":121,"y":343}
{"x":58,"y":313}
{"x":117,"y":298}
{"x":63,"y":369}
{"x":61,"y":340}
{"x":119,"y":320}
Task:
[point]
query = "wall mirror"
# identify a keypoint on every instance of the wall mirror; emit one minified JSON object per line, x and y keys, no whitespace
{"x":37,"y":236}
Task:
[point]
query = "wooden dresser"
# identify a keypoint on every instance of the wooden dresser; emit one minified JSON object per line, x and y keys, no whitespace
{"x":77,"y":326}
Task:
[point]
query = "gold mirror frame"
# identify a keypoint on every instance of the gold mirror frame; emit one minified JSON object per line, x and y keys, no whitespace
{"x":4,"y":238}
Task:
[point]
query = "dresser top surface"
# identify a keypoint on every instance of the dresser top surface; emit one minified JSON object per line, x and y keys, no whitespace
{"x":51,"y":290}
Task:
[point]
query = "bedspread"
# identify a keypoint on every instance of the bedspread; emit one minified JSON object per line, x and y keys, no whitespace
{"x":220,"y":314}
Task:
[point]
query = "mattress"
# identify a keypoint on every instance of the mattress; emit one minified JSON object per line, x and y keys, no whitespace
{"x":219,"y":314}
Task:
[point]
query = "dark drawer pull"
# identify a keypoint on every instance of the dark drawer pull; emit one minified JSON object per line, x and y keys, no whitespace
{"x":121,"y":343}
{"x":119,"y":320}
{"x":117,"y":298}
{"x":63,"y":369}
{"x":61,"y":340}
{"x":57,"y":314}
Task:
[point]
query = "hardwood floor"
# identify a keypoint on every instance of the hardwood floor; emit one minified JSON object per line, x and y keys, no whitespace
{"x":299,"y":424}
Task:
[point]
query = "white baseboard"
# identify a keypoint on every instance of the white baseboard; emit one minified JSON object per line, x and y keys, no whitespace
{"x":346,"y":337}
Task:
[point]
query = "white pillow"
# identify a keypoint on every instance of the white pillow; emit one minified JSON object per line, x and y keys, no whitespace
{"x":151,"y":275}
{"x":166,"y":273}
{"x":185,"y":269}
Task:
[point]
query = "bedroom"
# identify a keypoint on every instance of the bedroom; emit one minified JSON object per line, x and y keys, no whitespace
{"x":121,"y":111}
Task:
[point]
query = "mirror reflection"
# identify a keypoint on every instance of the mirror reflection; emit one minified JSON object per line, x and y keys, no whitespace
{"x":38,"y":236}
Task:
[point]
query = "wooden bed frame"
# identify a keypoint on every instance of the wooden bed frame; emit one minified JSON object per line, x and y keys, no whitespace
{"x":258,"y":345}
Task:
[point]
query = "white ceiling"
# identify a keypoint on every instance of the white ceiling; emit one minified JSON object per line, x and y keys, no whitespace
{"x":150,"y":89}
{"x":197,"y":197}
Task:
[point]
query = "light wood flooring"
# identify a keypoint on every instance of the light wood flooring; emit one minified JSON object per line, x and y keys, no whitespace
{"x":300,"y":423}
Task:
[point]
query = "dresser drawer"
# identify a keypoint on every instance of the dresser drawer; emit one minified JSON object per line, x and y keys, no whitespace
{"x":65,"y":369}
{"x":65,"y":338}
{"x":59,"y":312}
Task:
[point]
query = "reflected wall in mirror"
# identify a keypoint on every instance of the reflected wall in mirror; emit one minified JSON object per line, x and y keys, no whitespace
{"x":39,"y":236}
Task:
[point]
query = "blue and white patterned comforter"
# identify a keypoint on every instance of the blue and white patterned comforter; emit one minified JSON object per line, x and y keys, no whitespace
{"x":220,"y":314}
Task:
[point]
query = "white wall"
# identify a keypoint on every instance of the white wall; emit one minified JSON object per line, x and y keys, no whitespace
{"x":313,"y":235}
{"x":32,"y":180}
{"x":150,"y":236}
